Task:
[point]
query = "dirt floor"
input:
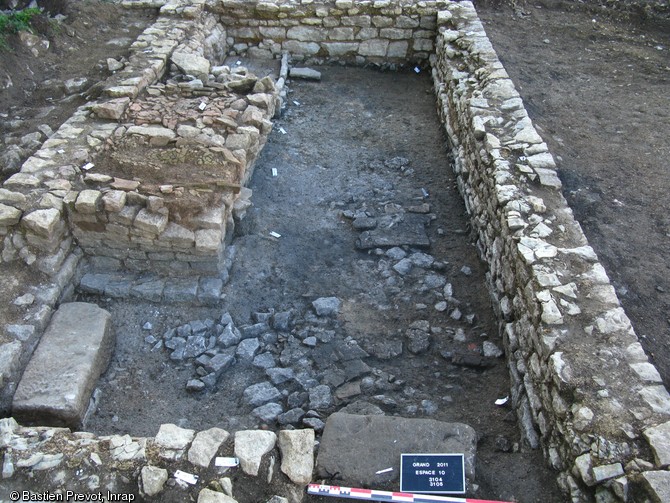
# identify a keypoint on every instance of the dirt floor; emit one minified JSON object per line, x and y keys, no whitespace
{"x":348,"y":148}
{"x":595,"y":84}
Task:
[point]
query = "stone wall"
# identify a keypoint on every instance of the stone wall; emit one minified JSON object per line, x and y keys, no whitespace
{"x":178,"y":464}
{"x":582,"y":386}
{"x":381,"y":32}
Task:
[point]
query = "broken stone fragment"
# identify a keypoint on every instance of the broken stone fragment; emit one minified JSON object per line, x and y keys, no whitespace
{"x":205,"y":446}
{"x":152,"y":480}
{"x":297,"y":450}
{"x":251,"y":446}
{"x":209,"y":496}
{"x":326,"y":306}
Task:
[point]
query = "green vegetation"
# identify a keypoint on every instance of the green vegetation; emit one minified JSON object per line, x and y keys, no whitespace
{"x":15,"y":22}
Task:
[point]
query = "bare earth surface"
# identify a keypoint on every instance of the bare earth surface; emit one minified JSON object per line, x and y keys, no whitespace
{"x":598,"y":91}
{"x":597,"y":86}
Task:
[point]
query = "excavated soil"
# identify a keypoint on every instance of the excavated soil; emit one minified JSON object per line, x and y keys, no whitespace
{"x":360,"y":144}
{"x":596,"y":84}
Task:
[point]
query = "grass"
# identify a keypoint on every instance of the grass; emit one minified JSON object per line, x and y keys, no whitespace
{"x":15,"y":22}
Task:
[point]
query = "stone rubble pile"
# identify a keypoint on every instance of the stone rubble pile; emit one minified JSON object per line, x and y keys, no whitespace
{"x":307,"y":366}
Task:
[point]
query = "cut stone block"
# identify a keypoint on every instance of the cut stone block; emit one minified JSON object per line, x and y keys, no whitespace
{"x":57,"y":384}
{"x":376,"y":442}
{"x":42,"y":222}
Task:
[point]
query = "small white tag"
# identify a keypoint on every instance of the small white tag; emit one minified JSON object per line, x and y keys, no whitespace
{"x":502,"y":401}
{"x":297,"y":103}
{"x":275,"y":234}
{"x":282,"y":130}
{"x":226,"y":462}
{"x":189,"y":478}
{"x":60,"y":151}
{"x":202,"y":105}
{"x":87,"y":166}
{"x":274,"y":171}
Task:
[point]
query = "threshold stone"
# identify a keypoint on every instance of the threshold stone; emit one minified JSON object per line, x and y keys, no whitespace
{"x":57,"y":384}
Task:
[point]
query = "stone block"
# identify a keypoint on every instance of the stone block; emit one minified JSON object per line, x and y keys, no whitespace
{"x":16,"y":199}
{"x":74,"y":351}
{"x":152,"y":132}
{"x":22,"y":180}
{"x":306,"y":34}
{"x":208,"y":241}
{"x":178,"y":236}
{"x":111,"y":109}
{"x":88,"y":201}
{"x":180,"y":290}
{"x":191,"y":64}
{"x":398,"y":49}
{"x":341,"y":48}
{"x":373,"y":47}
{"x":9,"y":215}
{"x":300,"y":48}
{"x":376,"y":442}
{"x":395,"y":33}
{"x":342,"y":33}
{"x":659,"y":440}
{"x":151,"y":290}
{"x":205,"y":446}
{"x":152,"y":223}
{"x":658,"y":484}
{"x":304,"y":73}
{"x":253,"y":116}
{"x":44,"y":223}
{"x":251,"y":446}
{"x":297,"y":452}
{"x":10,"y":353}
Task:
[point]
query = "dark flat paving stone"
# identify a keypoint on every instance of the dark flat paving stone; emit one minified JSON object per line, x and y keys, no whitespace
{"x":410,"y":231}
{"x":359,"y":446}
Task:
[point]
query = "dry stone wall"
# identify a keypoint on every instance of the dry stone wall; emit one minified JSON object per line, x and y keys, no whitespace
{"x":583,"y":389}
{"x":381,"y":32}
{"x":582,"y":386}
{"x":178,"y":464}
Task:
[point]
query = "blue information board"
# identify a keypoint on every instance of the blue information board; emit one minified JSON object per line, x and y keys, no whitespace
{"x":432,"y":473}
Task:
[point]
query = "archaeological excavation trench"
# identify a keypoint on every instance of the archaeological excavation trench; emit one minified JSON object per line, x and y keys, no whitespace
{"x":241,"y":247}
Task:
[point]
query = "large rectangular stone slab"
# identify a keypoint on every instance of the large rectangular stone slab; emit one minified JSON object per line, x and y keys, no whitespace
{"x":358,"y":447}
{"x":58,"y":382}
{"x":409,"y":231}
